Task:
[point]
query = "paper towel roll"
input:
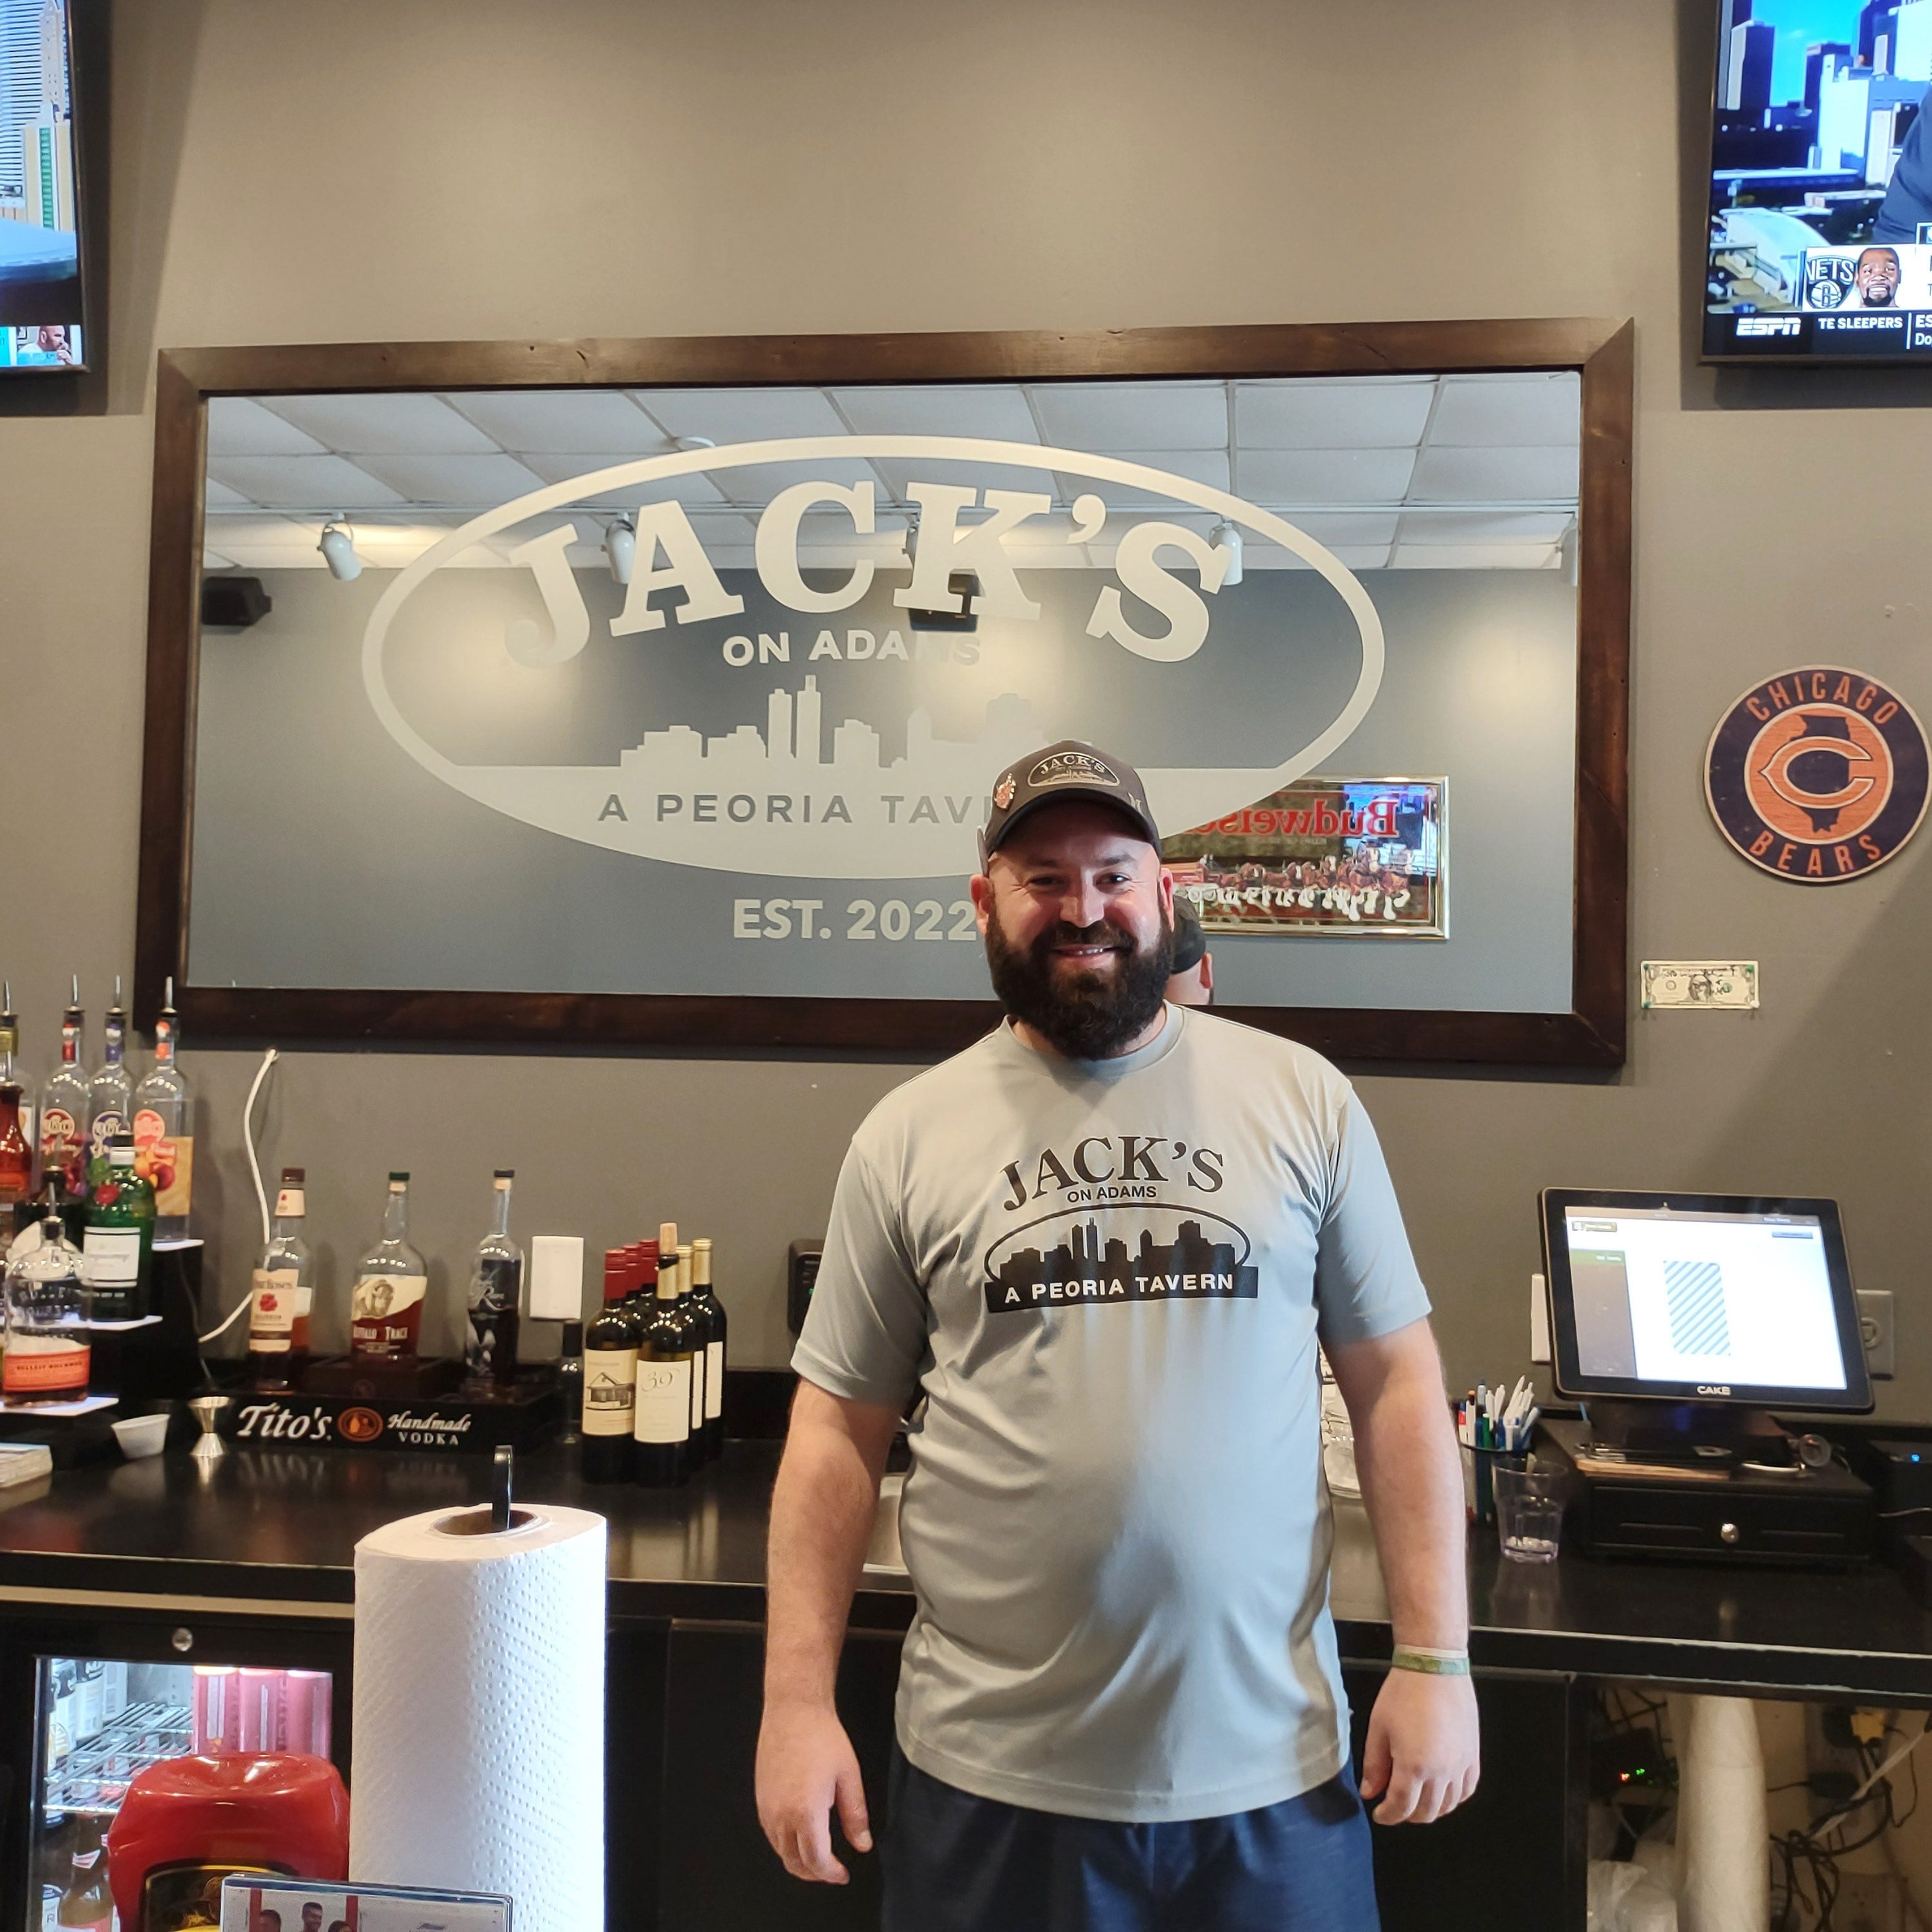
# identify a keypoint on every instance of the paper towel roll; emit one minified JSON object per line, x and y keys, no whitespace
{"x":1723,"y":1840}
{"x":479,"y":1750}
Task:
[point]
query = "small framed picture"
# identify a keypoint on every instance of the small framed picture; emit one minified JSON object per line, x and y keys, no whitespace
{"x":252,"y":1902}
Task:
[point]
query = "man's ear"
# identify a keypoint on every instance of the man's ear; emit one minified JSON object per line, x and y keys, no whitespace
{"x":1206,"y":972}
{"x":981,"y":888}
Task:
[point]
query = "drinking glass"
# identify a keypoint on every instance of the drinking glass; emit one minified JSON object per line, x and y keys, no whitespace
{"x":1529,"y":1515}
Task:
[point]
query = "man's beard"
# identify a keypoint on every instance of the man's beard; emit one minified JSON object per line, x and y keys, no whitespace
{"x":1085,"y":1015}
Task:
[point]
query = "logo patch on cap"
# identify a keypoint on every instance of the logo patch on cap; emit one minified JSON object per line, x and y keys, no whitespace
{"x":1071,"y":768}
{"x":1002,"y":792}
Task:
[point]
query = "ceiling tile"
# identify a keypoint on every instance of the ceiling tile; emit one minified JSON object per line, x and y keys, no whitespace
{"x":398,"y":422}
{"x":239,"y":426}
{"x":1314,"y":412}
{"x":758,"y":483}
{"x":997,"y":411}
{"x":1115,"y":416}
{"x":1506,"y":475}
{"x":1503,"y":527}
{"x":1352,"y":557}
{"x":1476,"y":410}
{"x":1378,"y":527}
{"x":740,"y":415}
{"x":564,"y":421}
{"x":554,"y":467}
{"x":316,"y":484}
{"x":982,"y":475}
{"x":481,"y":481}
{"x":1283,"y":476}
{"x":1474,"y":556}
{"x":1195,"y":465}
{"x":218,"y":496}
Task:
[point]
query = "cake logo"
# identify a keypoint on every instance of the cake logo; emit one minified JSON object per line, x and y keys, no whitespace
{"x":1818,"y":774}
{"x":773,"y":796}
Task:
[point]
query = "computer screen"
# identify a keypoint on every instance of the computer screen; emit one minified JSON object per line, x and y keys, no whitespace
{"x":1820,"y":243}
{"x":41,"y":310}
{"x":1702,"y":1297}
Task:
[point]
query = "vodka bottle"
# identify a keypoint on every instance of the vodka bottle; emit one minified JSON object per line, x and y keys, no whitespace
{"x":164,"y":1127}
{"x":63,"y":1121}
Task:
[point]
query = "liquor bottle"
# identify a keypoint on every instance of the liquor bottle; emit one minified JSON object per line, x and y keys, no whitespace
{"x":118,"y":1244}
{"x":16,"y":1127}
{"x":48,"y":1344}
{"x":385,"y":1311}
{"x":87,"y":1905}
{"x":708,"y":1305}
{"x":611,"y":1379}
{"x":63,"y":1122}
{"x":661,"y":1448}
{"x":281,"y":1298}
{"x":495,"y":1296}
{"x":570,"y":1383}
{"x":699,"y":1330}
{"x":164,"y":1127}
{"x":110,"y":1093}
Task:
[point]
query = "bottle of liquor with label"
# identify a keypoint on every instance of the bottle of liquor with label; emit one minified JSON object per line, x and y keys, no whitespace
{"x":48,"y":1342}
{"x":385,"y":1311}
{"x":110,"y":1093}
{"x":282,"y":1296}
{"x":696,"y":1327}
{"x":63,"y":1121}
{"x":87,"y":1905}
{"x":164,"y":1127}
{"x":118,"y":1243}
{"x":496,"y":1297}
{"x":610,"y":1377}
{"x":16,"y":1127}
{"x":712,"y":1311}
{"x":661,"y":1449}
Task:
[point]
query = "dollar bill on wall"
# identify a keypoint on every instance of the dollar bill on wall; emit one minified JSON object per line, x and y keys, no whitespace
{"x":1699,"y":982}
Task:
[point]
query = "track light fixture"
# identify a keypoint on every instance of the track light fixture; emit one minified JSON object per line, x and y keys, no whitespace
{"x":1225,"y":536}
{"x":338,"y":551}
{"x":620,"y":548}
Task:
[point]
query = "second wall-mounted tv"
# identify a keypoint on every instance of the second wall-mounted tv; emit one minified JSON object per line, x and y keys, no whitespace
{"x":42,"y":321}
{"x":1820,"y":245}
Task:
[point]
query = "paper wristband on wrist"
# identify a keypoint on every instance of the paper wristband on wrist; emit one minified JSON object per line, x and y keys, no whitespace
{"x":1430,"y":1662}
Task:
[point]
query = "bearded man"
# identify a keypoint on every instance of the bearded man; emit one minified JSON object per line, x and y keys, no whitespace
{"x":1097,"y":1250}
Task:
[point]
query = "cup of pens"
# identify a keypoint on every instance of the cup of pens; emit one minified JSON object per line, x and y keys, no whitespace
{"x":1495,"y":1428}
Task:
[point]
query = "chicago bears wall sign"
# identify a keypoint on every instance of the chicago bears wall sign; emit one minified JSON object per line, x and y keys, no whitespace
{"x":1818,"y":774}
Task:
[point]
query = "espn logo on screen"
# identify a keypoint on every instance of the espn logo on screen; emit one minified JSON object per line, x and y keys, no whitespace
{"x":1750,"y":325}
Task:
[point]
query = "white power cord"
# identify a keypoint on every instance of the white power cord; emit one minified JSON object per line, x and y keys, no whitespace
{"x":241,"y":1308}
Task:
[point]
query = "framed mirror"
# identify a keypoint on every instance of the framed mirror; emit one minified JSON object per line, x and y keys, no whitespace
{"x":653,"y":692}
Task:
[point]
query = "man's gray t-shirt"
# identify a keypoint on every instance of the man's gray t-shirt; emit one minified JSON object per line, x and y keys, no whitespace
{"x":1107,"y":1278}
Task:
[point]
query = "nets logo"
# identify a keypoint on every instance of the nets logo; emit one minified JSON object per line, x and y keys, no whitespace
{"x":1819,"y":775}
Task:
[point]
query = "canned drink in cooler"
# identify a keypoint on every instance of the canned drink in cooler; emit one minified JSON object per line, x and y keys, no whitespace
{"x":217,"y":1719}
{"x":305,"y":1711}
{"x":258,"y":1726}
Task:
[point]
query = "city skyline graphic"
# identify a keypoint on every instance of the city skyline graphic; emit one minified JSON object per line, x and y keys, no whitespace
{"x":1088,"y":1267}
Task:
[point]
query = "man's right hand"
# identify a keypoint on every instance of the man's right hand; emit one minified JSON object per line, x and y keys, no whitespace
{"x":806,"y":1766}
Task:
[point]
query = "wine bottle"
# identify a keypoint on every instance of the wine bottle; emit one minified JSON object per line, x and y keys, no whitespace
{"x":699,"y":1331}
{"x":496,"y":1297}
{"x":63,"y":1121}
{"x":164,"y":1127}
{"x":661,"y":1446}
{"x":17,"y":1128}
{"x":386,"y":1310}
{"x":712,"y":1311}
{"x":282,"y":1295}
{"x":117,"y":1246}
{"x":610,"y":1379}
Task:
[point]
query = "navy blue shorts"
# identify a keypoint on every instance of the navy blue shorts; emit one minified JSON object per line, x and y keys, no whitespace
{"x":952,"y":1862}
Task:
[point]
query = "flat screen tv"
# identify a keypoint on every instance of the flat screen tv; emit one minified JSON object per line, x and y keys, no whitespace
{"x":42,"y":310}
{"x":1820,"y":243}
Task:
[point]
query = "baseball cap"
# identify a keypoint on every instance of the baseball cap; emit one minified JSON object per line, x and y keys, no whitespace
{"x":1190,"y":942}
{"x":1058,"y":773}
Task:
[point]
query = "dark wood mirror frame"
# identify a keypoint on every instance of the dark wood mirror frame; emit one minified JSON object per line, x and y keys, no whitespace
{"x":1590,"y":1034}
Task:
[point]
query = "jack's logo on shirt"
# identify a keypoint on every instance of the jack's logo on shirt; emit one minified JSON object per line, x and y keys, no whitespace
{"x":1108,"y":1167}
{"x":1159,"y":1253}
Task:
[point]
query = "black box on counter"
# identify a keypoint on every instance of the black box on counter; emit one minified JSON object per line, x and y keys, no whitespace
{"x":451,"y":1423}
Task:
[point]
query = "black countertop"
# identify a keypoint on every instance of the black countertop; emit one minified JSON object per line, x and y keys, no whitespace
{"x":280,"y":1529}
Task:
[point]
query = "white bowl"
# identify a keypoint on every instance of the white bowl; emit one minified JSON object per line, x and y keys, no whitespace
{"x":141,"y":1435}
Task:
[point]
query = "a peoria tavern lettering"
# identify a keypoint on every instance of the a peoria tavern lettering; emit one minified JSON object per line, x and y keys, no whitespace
{"x":801,"y":795}
{"x":1117,"y":1238}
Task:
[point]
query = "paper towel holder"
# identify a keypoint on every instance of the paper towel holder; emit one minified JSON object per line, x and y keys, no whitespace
{"x":497,"y":1518}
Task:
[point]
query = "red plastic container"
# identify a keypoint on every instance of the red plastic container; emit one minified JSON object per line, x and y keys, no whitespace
{"x":187,"y":1822}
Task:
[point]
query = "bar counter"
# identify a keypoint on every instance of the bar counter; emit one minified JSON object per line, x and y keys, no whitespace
{"x":279,"y":1529}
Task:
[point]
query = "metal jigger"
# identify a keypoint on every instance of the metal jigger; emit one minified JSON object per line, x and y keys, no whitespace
{"x":208,"y":1410}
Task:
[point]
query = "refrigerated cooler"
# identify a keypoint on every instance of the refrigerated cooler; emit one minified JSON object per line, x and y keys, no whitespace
{"x":99,"y":1718}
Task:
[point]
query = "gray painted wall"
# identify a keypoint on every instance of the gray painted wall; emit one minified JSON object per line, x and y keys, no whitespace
{"x":597,"y":168}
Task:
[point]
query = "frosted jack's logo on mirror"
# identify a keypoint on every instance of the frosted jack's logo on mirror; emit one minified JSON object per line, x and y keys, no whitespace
{"x":676,"y":797}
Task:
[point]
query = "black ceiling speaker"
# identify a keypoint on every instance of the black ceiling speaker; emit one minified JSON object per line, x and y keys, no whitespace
{"x":233,"y":603}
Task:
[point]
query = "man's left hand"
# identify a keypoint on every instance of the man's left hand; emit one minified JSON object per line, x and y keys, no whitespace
{"x":1422,"y":1757}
